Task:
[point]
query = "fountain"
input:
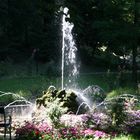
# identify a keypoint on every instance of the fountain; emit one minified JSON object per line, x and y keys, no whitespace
{"x":16,"y":105}
{"x":69,"y":69}
{"x":69,"y":61}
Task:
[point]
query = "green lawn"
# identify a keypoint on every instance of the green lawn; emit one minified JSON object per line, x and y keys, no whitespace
{"x":27,"y":85}
{"x":34,"y":85}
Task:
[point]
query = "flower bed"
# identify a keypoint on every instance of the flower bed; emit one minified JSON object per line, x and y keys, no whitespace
{"x":72,"y":127}
{"x":30,"y":131}
{"x":53,"y":123}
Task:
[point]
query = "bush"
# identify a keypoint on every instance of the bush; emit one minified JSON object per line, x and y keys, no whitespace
{"x":55,"y":111}
{"x":97,"y":120}
{"x":32,"y":131}
{"x":132,"y":122}
{"x":120,"y":91}
{"x":28,"y":131}
{"x":118,"y":108}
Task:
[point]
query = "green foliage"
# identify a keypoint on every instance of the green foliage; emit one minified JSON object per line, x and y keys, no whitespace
{"x":109,"y":24}
{"x":54,"y":111}
{"x":34,"y":85}
{"x":39,"y":26}
{"x":26,"y":95}
{"x":65,"y":98}
{"x":121,"y":91}
{"x":51,"y":69}
{"x":118,"y":114}
{"x":6,"y":68}
{"x":33,"y":18}
{"x":124,"y":137}
{"x":119,"y":108}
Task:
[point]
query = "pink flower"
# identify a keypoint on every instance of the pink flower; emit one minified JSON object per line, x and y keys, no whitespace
{"x":99,"y":134}
{"x":88,"y":132}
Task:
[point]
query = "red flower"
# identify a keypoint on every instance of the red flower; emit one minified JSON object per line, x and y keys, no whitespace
{"x":36,"y":133}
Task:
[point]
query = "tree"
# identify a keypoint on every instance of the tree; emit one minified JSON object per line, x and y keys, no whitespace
{"x":107,"y":23}
{"x":25,"y":25}
{"x":136,"y":42}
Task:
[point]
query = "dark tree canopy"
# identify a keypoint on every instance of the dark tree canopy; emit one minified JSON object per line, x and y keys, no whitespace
{"x":25,"y":25}
{"x":114,"y":24}
{"x":36,"y":24}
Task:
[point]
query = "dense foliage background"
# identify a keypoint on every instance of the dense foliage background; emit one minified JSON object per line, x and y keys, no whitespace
{"x":107,"y":33}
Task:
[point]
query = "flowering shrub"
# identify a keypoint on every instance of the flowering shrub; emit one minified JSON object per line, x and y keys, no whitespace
{"x":134,"y":117}
{"x":130,"y":103}
{"x":28,"y":131}
{"x":97,"y":120}
{"x":132,"y":122}
{"x":69,"y":132}
{"x":72,"y":120}
{"x":95,"y":133}
{"x":32,"y":131}
{"x":95,"y":125}
{"x":44,"y":127}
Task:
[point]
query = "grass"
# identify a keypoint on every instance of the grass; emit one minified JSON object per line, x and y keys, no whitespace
{"x":23,"y":78}
{"x":126,"y":137}
{"x":27,"y":86}
{"x":121,"y":91}
{"x":33,"y":85}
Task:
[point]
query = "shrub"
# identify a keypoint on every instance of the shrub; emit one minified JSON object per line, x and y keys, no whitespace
{"x":132,"y":122}
{"x":28,"y":131}
{"x":97,"y":120}
{"x":33,"y":130}
{"x":118,"y":107}
{"x":120,"y":91}
{"x":55,"y":111}
{"x":69,"y":132}
{"x":72,"y":120}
